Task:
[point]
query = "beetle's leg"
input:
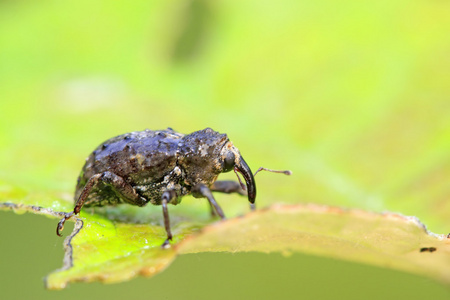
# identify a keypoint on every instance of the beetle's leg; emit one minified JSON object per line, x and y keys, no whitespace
{"x":118,"y":185}
{"x":80,"y":202}
{"x":204,"y":191}
{"x":228,"y":187}
{"x":212,"y":210}
{"x":167,"y":196}
{"x":60,"y":226}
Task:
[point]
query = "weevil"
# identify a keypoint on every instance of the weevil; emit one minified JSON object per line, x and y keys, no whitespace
{"x":160,"y":167}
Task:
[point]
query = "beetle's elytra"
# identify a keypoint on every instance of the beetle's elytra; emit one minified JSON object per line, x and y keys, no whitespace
{"x":160,"y":167}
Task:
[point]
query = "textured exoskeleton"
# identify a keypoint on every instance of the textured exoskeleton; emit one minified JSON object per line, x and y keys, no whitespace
{"x":160,"y":167}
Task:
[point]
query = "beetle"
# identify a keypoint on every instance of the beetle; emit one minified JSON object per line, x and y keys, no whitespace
{"x":160,"y":167}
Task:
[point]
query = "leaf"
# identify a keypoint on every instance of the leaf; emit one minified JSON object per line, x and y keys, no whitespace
{"x":99,"y":248}
{"x":102,"y":250}
{"x":113,"y":255}
{"x":386,"y":240}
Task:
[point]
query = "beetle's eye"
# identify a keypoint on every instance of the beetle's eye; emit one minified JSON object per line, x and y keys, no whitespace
{"x":228,"y":162}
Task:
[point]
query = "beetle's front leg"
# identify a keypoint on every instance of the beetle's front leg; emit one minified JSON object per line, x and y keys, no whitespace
{"x":167,"y":196}
{"x":203,"y":191}
{"x":228,"y":187}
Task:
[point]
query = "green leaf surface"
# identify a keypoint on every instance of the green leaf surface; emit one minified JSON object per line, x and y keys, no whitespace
{"x":103,"y":250}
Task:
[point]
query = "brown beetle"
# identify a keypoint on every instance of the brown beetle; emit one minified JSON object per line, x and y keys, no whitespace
{"x":160,"y":167}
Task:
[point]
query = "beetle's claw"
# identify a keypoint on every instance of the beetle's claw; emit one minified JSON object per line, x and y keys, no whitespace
{"x":60,"y":226}
{"x":166,"y":244}
{"x":252,"y":206}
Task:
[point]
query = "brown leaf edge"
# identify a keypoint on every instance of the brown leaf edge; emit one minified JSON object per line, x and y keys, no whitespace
{"x":67,"y":244}
{"x":262,"y":235}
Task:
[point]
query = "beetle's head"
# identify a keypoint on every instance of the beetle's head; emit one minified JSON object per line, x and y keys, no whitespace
{"x":206,"y":153}
{"x":231,"y":159}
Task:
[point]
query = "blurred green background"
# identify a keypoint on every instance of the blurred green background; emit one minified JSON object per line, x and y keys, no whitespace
{"x":352,"y":97}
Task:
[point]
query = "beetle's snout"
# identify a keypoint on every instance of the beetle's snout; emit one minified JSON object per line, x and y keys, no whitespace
{"x":244,"y":169}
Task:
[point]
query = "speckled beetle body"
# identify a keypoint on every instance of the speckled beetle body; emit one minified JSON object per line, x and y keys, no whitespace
{"x":160,"y":167}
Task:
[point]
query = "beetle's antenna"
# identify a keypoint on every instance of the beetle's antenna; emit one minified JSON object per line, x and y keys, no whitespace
{"x":240,"y":181}
{"x":286,"y":172}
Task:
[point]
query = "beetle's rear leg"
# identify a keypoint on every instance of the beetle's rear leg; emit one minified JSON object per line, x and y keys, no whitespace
{"x":123,"y":190}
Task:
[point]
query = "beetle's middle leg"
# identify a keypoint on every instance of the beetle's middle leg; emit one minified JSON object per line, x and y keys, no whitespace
{"x":122,"y":189}
{"x":166,"y":197}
